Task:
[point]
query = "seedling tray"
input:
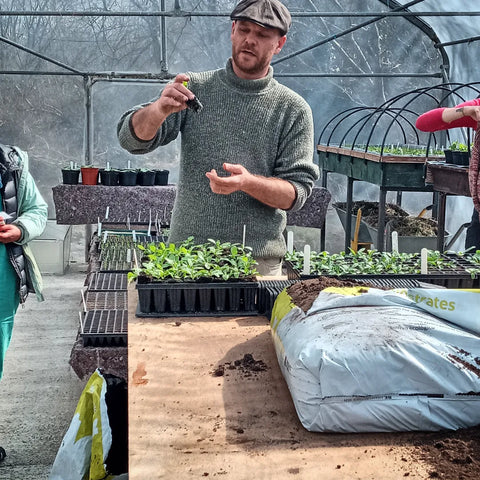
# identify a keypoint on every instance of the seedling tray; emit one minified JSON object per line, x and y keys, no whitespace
{"x":268,"y":292}
{"x":164,"y":299}
{"x":456,"y":277}
{"x":105,"y":328}
{"x":108,"y":282}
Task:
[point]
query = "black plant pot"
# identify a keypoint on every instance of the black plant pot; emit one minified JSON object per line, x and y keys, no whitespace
{"x":145,"y":300}
{"x":205,"y":299}
{"x":146,"y":178}
{"x":127,"y":178}
{"x":460,"y":158}
{"x":161,"y":177}
{"x":159,"y":300}
{"x":448,"y":156}
{"x":220,"y":297}
{"x":190,"y":297}
{"x":175,"y":300}
{"x":234,"y":296}
{"x":109,"y":177}
{"x":70,"y":177}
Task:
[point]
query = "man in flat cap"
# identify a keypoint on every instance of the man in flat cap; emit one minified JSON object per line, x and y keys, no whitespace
{"x":247,"y":155}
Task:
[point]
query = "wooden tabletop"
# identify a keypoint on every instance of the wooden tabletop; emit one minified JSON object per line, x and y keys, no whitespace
{"x":187,"y":420}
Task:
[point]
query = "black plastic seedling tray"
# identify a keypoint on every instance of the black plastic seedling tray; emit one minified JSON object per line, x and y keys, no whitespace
{"x":197,"y":299}
{"x":456,"y":277}
{"x":105,"y":328}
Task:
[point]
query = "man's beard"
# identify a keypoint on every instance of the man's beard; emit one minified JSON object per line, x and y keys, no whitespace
{"x":258,"y":66}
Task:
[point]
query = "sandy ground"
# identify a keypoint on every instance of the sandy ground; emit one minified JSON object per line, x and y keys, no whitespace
{"x":187,"y":421}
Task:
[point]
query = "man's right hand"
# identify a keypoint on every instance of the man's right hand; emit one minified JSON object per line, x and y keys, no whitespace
{"x":148,"y":120}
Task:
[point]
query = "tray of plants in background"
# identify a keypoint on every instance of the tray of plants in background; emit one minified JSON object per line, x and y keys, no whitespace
{"x":211,"y":279}
{"x":118,"y":251}
{"x":470,"y":261}
{"x":447,"y":270}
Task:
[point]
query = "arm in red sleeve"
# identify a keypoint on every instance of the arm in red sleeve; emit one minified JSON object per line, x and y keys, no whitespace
{"x":431,"y":121}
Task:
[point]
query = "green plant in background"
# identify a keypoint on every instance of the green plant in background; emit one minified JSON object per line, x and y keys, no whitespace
{"x":368,"y":262}
{"x":188,"y":261}
{"x":405,"y":150}
{"x":72,"y":166}
{"x":458,"y":147}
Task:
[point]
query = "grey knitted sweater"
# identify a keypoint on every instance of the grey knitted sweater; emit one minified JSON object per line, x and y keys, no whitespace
{"x":260,"y":124}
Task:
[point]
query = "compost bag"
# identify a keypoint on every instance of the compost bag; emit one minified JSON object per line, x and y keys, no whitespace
{"x":95,"y":446}
{"x":370,"y":360}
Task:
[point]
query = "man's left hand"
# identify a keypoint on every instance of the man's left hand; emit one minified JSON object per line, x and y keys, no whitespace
{"x":231,"y":183}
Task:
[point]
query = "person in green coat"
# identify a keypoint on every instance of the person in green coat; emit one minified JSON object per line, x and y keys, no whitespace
{"x":23,"y":217}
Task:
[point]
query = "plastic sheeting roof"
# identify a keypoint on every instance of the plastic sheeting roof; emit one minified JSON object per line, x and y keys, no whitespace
{"x":464,"y":57}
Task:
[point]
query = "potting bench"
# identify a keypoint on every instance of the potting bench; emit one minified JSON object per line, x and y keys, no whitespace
{"x":389,"y":172}
{"x":86,"y":205}
{"x":188,"y":420}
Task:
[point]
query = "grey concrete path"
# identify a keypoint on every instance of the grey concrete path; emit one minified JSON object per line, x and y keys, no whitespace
{"x":39,"y":391}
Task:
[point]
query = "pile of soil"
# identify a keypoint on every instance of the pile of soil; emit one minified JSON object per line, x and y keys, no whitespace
{"x":305,"y":292}
{"x":247,"y":366}
{"x":370,"y":211}
{"x":453,"y":455}
{"x":414,"y":227}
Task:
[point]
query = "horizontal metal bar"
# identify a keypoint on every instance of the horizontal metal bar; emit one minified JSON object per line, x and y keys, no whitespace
{"x":148,"y":77}
{"x":182,"y":13}
{"x":359,"y":75}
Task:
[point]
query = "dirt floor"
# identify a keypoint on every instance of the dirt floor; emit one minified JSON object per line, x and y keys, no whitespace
{"x":450,"y":455}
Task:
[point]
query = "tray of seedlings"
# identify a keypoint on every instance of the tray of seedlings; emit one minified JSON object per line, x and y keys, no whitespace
{"x":211,"y":279}
{"x":445,"y":270}
{"x":119,"y":251}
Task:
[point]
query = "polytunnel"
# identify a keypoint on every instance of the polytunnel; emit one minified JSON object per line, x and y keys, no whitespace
{"x":69,"y":69}
{"x":368,"y":69}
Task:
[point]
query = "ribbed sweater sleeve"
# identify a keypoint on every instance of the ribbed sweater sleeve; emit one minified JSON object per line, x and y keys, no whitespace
{"x":431,"y":121}
{"x":259,"y":124}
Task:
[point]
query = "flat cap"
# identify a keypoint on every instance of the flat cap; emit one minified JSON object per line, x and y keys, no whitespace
{"x":267,"y":13}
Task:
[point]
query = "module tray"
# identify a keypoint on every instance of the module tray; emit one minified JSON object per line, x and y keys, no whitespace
{"x":101,"y":328}
{"x":197,"y":299}
{"x":456,"y":277}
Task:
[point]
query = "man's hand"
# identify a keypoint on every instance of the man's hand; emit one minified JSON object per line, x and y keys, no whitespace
{"x":149,"y":119}
{"x":229,"y":184}
{"x":9,"y":233}
{"x":271,"y":191}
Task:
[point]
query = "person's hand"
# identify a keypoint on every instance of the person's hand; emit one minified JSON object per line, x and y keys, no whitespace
{"x":238,"y":177}
{"x":9,"y":232}
{"x":146,"y":121}
{"x":174,"y":96}
{"x":472,"y":111}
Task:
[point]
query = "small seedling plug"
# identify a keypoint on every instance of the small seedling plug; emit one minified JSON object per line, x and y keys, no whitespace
{"x":194,"y":103}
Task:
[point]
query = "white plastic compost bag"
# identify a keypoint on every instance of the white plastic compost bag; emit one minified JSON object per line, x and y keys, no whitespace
{"x":376,"y":361}
{"x":87,"y":442}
